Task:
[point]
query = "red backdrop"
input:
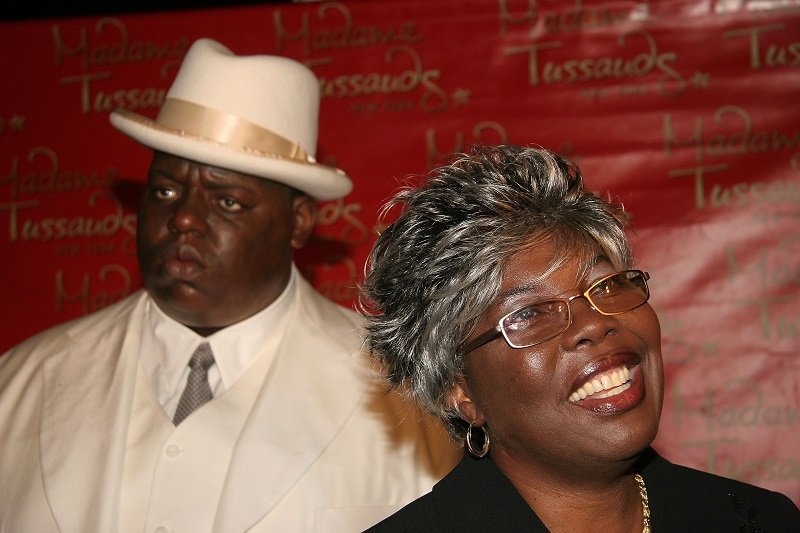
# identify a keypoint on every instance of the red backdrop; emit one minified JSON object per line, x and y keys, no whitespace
{"x":686,"y":111}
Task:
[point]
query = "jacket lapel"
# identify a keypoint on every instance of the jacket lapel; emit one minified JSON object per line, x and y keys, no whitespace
{"x":670,"y":494}
{"x":476,"y":496}
{"x":314,"y":385}
{"x":85,"y":418}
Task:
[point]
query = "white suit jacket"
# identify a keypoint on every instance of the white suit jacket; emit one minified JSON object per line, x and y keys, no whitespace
{"x":324,"y":447}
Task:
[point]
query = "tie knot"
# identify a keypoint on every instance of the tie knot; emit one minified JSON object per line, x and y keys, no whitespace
{"x":202,"y":358}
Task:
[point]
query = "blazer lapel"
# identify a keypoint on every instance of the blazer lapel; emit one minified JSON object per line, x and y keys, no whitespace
{"x":476,"y":496}
{"x":670,"y":494}
{"x":84,"y":421}
{"x":314,"y":385}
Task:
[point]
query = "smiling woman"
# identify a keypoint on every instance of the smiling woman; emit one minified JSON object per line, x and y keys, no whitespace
{"x":503,"y":300}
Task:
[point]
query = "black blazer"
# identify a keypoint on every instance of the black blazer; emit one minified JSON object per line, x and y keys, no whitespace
{"x":476,"y":496}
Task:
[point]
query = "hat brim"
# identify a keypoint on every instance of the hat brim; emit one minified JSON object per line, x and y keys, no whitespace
{"x":319,"y":181}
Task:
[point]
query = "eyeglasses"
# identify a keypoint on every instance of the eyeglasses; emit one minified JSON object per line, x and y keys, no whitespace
{"x":541,"y":321}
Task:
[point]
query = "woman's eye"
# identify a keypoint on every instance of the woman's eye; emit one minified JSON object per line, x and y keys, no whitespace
{"x":604,"y":287}
{"x":536,"y":315}
{"x":526,"y":315}
{"x":609,"y":286}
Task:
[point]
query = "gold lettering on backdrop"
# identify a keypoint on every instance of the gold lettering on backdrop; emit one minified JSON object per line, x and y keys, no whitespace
{"x":738,"y":467}
{"x":755,"y":192}
{"x":344,"y":290}
{"x":679,"y":348}
{"x":102,"y":102}
{"x":85,"y":81}
{"x":47,"y":229}
{"x":55,"y":180}
{"x":764,"y":54}
{"x":509,"y":17}
{"x":354,"y":230}
{"x":15,"y":123}
{"x":13,"y":209}
{"x":741,"y":138}
{"x":577,"y":18}
{"x":581,"y":70}
{"x":738,"y":194}
{"x":347,"y":35}
{"x":340,"y":31}
{"x":764,"y":306}
{"x":113,"y":276}
{"x":433,"y":98}
{"x":121,"y":52}
{"x":14,"y":206}
{"x":482,"y":133}
{"x":756,"y":285}
{"x":740,"y":404}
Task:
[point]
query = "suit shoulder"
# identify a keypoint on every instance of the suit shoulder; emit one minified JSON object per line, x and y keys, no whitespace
{"x":341,"y":324}
{"x":701,"y":479}
{"x":724,"y":500}
{"x":33,"y":350}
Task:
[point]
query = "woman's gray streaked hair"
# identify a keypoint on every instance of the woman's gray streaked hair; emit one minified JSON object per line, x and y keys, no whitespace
{"x":439,"y":266}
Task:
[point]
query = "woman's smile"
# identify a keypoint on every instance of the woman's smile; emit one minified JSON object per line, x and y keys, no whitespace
{"x":610,"y":385}
{"x":614,"y":391}
{"x":604,"y":385}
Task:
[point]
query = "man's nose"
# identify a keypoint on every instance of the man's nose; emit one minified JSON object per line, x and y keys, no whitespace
{"x":191,"y":213}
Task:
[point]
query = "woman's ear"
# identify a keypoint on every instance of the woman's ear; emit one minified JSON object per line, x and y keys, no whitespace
{"x":461,"y":399}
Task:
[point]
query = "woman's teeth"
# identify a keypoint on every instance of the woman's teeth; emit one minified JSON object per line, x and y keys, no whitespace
{"x":604,"y":385}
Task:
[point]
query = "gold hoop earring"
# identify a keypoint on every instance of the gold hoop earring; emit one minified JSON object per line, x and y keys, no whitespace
{"x":484,"y":449}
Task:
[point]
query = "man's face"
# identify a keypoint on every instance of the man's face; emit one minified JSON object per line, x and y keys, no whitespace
{"x":215,"y":246}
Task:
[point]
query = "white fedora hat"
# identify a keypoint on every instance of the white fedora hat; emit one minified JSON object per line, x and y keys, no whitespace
{"x":252,"y":114}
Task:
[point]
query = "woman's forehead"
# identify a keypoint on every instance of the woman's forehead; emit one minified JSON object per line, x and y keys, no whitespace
{"x":542,"y":268}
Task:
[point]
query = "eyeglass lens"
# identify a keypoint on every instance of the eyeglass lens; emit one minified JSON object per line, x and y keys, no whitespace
{"x":542,"y":321}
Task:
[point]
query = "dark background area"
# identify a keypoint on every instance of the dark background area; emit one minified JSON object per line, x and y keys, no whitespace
{"x":25,"y":10}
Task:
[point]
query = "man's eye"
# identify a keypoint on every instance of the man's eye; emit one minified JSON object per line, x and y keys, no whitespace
{"x":229,"y":204}
{"x":163,"y":193}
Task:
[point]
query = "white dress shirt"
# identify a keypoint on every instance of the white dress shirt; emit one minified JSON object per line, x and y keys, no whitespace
{"x":165,"y":464}
{"x":167,"y":346}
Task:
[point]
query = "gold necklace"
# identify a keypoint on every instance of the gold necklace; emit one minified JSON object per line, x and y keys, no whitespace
{"x":645,"y":505}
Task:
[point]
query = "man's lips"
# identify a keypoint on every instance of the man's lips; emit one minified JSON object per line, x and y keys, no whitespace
{"x":182,"y":261}
{"x":187,"y":252}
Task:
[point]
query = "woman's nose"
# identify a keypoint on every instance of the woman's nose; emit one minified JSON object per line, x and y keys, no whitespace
{"x":587,"y":324}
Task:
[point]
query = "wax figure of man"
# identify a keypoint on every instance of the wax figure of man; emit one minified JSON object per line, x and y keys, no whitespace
{"x":298,"y":436}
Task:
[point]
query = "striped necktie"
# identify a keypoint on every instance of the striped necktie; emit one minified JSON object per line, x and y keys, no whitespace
{"x":197,"y":391}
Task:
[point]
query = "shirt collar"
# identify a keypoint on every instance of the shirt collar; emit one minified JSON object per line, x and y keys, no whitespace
{"x":167,"y":345}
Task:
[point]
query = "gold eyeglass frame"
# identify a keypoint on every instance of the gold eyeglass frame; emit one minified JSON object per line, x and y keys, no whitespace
{"x":499,"y":330}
